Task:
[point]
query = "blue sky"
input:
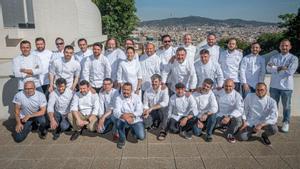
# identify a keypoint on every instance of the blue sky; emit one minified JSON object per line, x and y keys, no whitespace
{"x":260,"y":10}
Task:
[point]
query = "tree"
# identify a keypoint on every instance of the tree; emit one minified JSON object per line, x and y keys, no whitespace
{"x":118,"y":17}
{"x":270,"y":41}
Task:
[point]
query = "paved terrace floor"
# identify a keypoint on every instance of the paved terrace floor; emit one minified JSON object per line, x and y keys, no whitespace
{"x":94,"y":151}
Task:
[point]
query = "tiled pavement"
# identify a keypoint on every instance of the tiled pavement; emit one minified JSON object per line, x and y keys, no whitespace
{"x":94,"y":151}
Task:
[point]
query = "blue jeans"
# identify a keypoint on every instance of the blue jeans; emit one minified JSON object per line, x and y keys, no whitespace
{"x":62,"y":121}
{"x":269,"y":130}
{"x":41,"y":121}
{"x":286,"y":97}
{"x":108,"y":121}
{"x":209,"y":123}
{"x":137,"y":129}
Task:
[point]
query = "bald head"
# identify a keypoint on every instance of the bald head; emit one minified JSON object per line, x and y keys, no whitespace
{"x":150,"y":49}
{"x":229,"y":85}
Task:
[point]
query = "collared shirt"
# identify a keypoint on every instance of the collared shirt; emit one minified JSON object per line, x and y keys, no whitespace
{"x":65,"y":69}
{"x":129,"y":71}
{"x":132,"y":105}
{"x":190,"y":52}
{"x":181,"y":72}
{"x":45,"y":57}
{"x":181,"y":107}
{"x":214,"y":52}
{"x":60,"y":102}
{"x":32,"y":62}
{"x":56,"y":55}
{"x":253,"y":70}
{"x":95,"y":70}
{"x":80,"y":56}
{"x":230,"y":64}
{"x":210,"y":70}
{"x":260,"y":110}
{"x":283,"y":79}
{"x":31,"y":104}
{"x":107,"y":100}
{"x":85,"y":104}
{"x":149,"y":65}
{"x":152,"y":98}
{"x":206,"y":102}
{"x":230,"y":104}
{"x":115,"y":57}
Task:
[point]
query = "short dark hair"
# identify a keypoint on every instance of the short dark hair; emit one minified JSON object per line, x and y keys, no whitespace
{"x":255,"y":43}
{"x":61,"y":81}
{"x":230,"y":39}
{"x":204,"y":51}
{"x":59,"y":38}
{"x":69,"y":47}
{"x":108,"y":79}
{"x":156,"y":76}
{"x":211,"y":34}
{"x":208,"y":81}
{"x":130,"y":48}
{"x":39,"y":39}
{"x":181,"y":49}
{"x":261,"y":83}
{"x":98,"y":44}
{"x":25,"y":42}
{"x":165,"y":36}
{"x":81,"y":39}
{"x":84,"y":82}
{"x":180,"y":86}
{"x":128,"y":84}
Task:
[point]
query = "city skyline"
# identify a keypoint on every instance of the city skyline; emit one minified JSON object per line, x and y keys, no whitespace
{"x":258,"y":10}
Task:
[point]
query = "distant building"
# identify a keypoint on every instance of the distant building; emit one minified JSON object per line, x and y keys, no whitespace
{"x":28,"y":19}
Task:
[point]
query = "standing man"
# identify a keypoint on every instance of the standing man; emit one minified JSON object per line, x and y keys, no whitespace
{"x":128,"y":110}
{"x":189,"y":47}
{"x":66,"y":68}
{"x":206,"y":68}
{"x":261,"y":114}
{"x":181,"y":71}
{"x":59,"y":107}
{"x":230,"y":60}
{"x":212,"y":47}
{"x":59,"y":53}
{"x":150,"y":65}
{"x":231,"y":108}
{"x":156,"y":102}
{"x":27,"y":67}
{"x":253,"y":70}
{"x":283,"y":66}
{"x":166,"y":52}
{"x":84,"y":51}
{"x":84,"y":110}
{"x":45,"y":57}
{"x":30,"y":107}
{"x":96,"y":68}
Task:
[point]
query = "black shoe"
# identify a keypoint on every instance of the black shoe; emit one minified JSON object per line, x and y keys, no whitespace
{"x":265,"y":139}
{"x":208,"y":139}
{"x":75,"y":135}
{"x":43,"y":134}
{"x":56,"y":134}
{"x":186,"y":135}
{"x":120,"y":144}
{"x":155,"y":125}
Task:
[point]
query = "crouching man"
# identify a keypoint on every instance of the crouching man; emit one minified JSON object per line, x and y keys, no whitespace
{"x":30,"y":107}
{"x":261,"y":114}
{"x":182,"y":109}
{"x":207,"y":108}
{"x":59,"y":107}
{"x":84,"y":110}
{"x":128,"y":110}
{"x":231,"y":108}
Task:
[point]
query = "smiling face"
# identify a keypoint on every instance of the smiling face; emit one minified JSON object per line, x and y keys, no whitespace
{"x":82,"y":45}
{"x":255,"y":49}
{"x":60,"y":44}
{"x":167,"y":42}
{"x":187,"y":39}
{"x":68,"y":53}
{"x":130,"y":54}
{"x":285,"y":47}
{"x":180,"y":92}
{"x":29,"y":88}
{"x":84,"y":89}
{"x":180,"y":56}
{"x":155,"y":84}
{"x":204,"y":58}
{"x":61,"y":88}
{"x":206,"y":87}
{"x":150,"y":49}
{"x":211,"y":40}
{"x":261,"y":90}
{"x":229,"y":86}
{"x":107,"y":85}
{"x":40,"y":45}
{"x":126,"y":91}
{"x":25,"y":49}
{"x":232,"y":45}
{"x":111,"y":44}
{"x":97,"y":50}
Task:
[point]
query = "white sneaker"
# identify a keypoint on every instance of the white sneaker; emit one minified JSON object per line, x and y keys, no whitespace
{"x":285,"y":127}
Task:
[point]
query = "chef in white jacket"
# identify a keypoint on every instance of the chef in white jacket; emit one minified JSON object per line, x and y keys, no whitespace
{"x":212,"y":47}
{"x":261,"y":114}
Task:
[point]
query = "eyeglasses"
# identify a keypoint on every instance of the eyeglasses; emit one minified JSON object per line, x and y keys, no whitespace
{"x":61,"y":43}
{"x":167,"y":41}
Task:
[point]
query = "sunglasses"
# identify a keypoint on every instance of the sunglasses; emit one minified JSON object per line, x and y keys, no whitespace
{"x":167,"y":41}
{"x":60,"y":43}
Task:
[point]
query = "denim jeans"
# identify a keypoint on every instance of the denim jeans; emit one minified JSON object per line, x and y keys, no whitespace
{"x":108,"y":121}
{"x":174,"y":125}
{"x":209,"y":124}
{"x":286,"y":97}
{"x":161,"y":115}
{"x":62,"y":120}
{"x":137,"y":130}
{"x":41,"y":121}
{"x":269,"y":130}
